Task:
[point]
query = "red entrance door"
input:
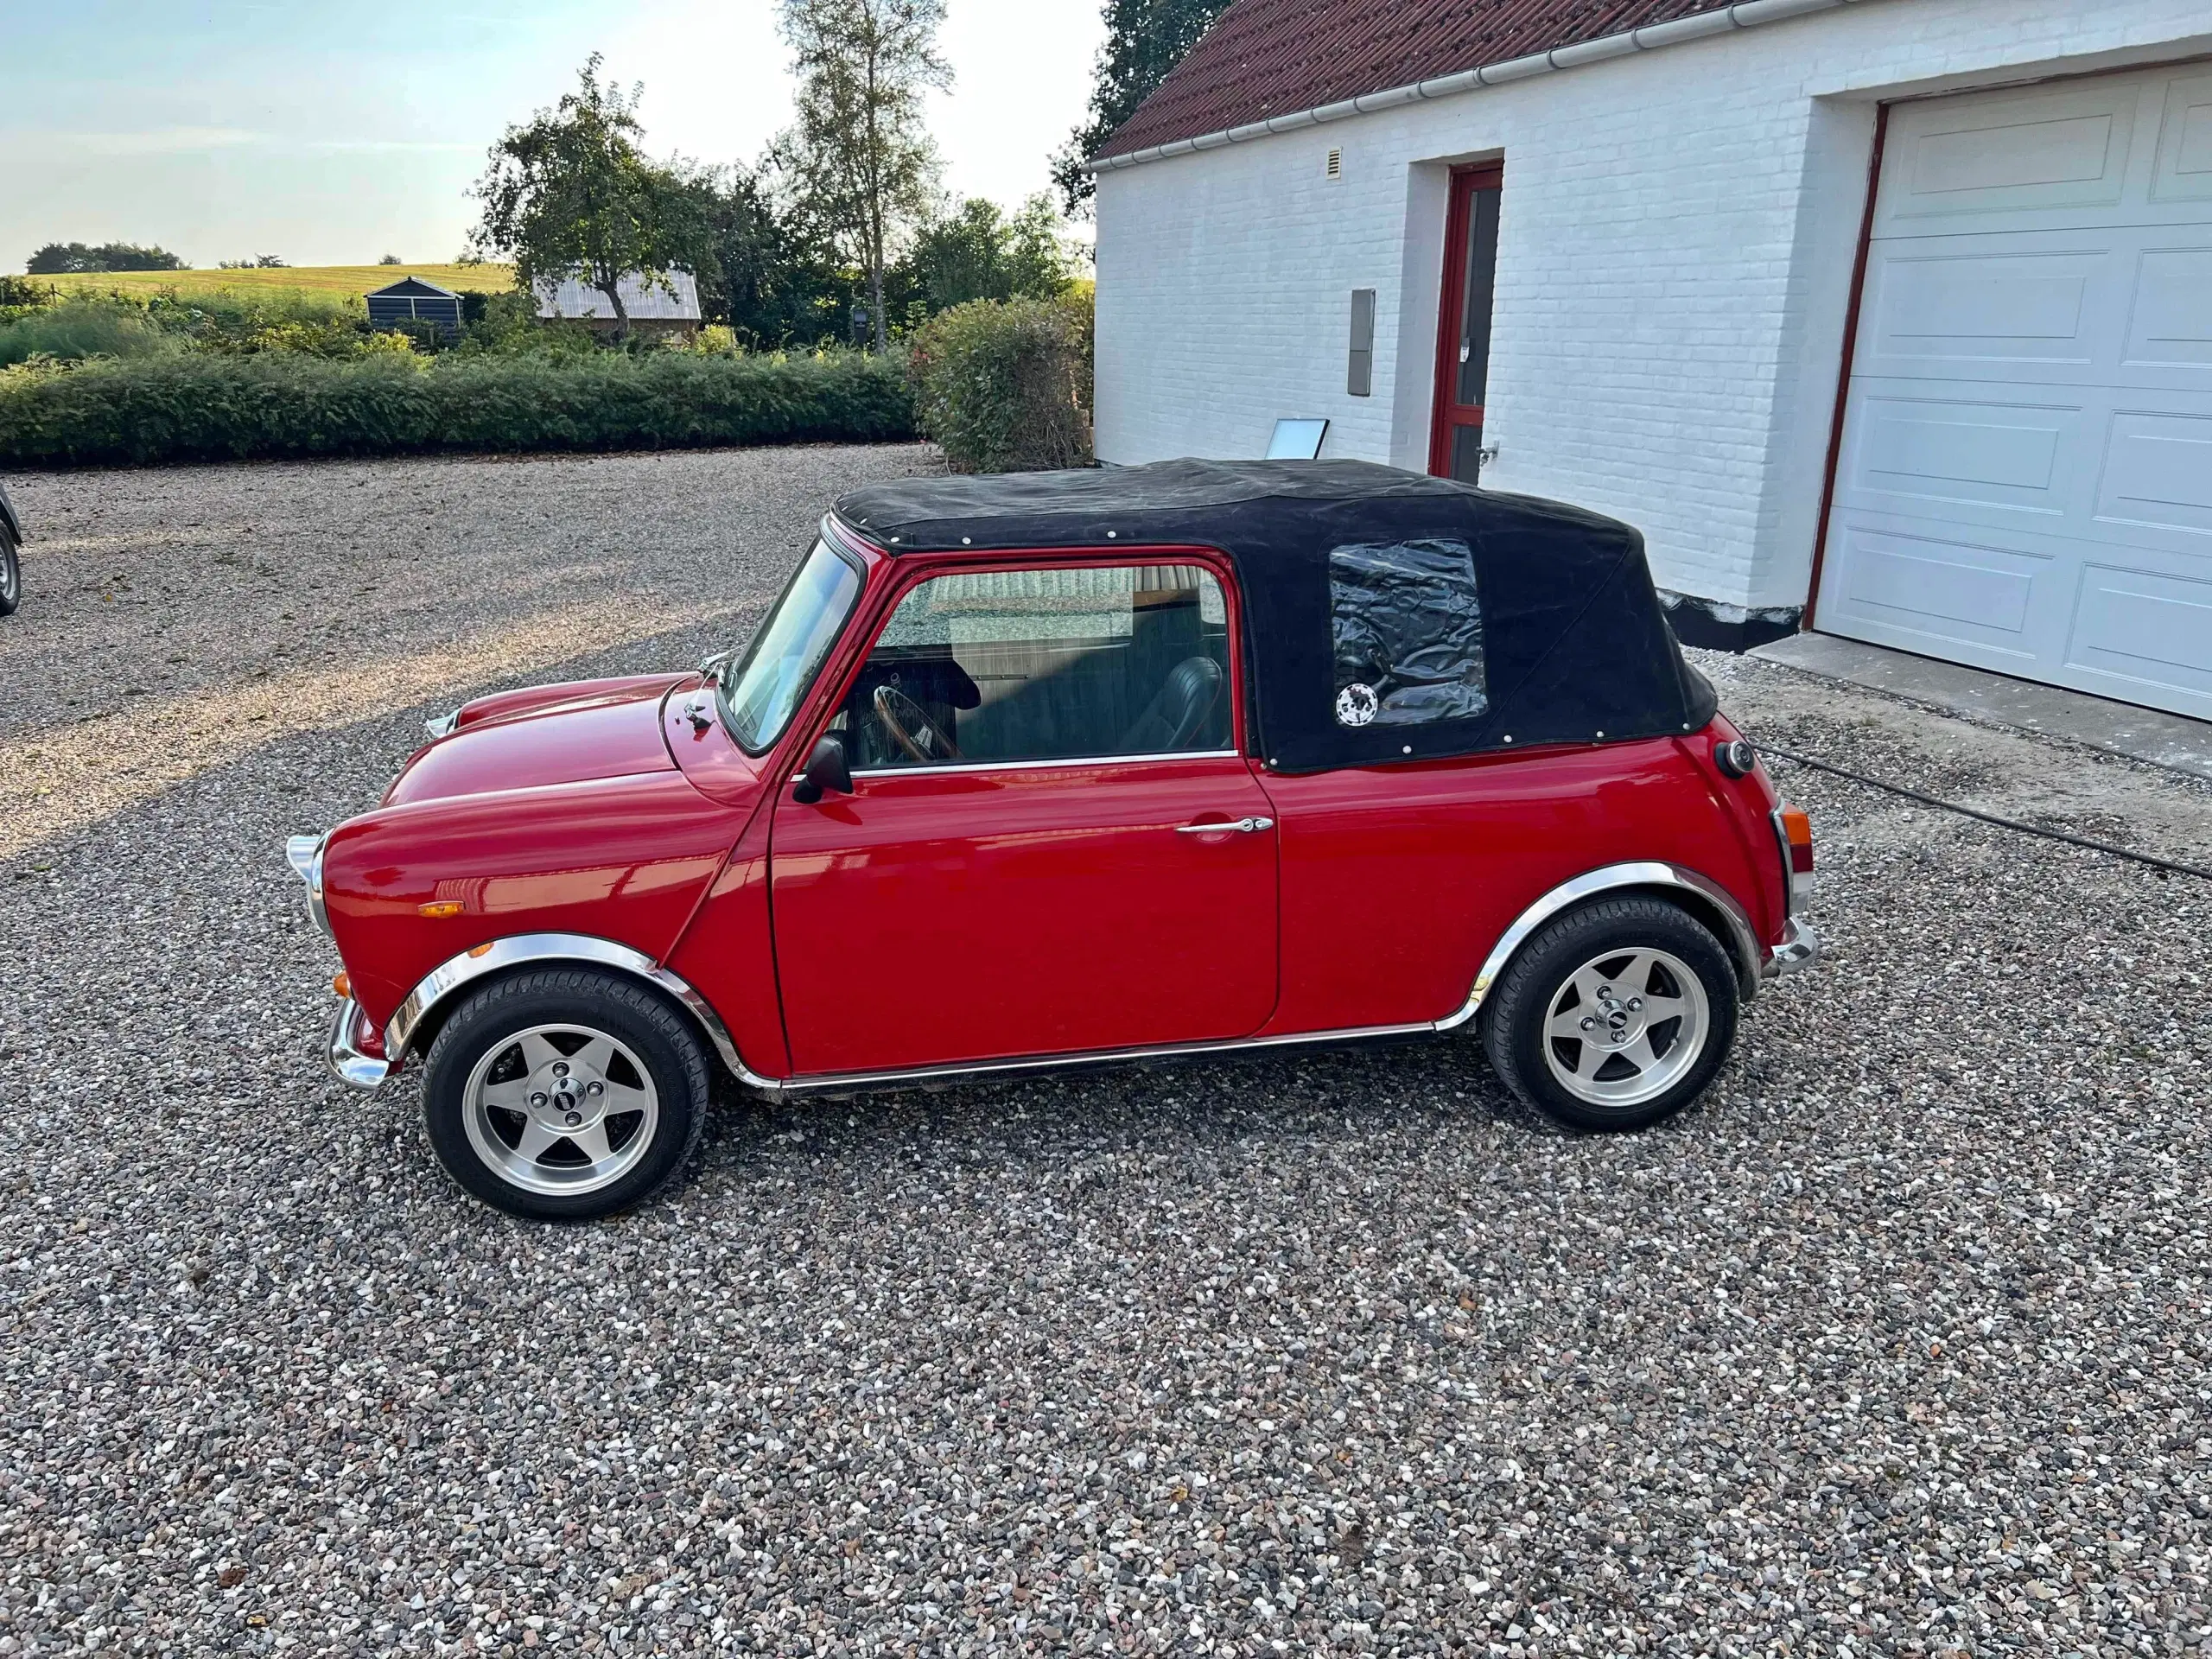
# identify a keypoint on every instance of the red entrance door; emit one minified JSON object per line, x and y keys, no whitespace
{"x":1463,"y":333}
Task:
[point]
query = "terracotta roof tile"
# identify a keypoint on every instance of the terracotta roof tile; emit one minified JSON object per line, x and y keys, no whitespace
{"x":1277,"y":57}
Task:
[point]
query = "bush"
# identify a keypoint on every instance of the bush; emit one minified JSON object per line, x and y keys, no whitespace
{"x":1005,"y":387}
{"x":203,"y":406}
{"x":81,"y":329}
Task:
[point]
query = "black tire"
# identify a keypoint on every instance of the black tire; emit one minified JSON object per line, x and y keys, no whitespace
{"x":11,"y":574}
{"x":1541,"y":987}
{"x":665,"y":1066}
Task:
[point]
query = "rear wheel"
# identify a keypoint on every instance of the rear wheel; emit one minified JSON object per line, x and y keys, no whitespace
{"x":1615,"y":1016}
{"x":565,"y":1094}
{"x":11,"y":574}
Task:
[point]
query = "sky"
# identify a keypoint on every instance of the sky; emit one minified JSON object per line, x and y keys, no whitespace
{"x":221,"y":130}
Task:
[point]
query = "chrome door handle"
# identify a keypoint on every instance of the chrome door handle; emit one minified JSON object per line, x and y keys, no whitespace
{"x":1239,"y":826}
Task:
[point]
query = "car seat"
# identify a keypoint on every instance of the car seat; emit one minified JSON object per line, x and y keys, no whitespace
{"x":1182,"y":711}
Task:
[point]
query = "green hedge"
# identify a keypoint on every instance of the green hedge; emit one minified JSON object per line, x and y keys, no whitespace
{"x":1005,"y":385}
{"x":205,"y":407}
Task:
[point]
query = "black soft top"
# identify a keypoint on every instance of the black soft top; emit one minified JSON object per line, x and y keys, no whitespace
{"x":1571,"y":643}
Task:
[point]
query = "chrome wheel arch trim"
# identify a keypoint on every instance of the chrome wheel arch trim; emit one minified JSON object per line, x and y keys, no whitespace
{"x":526,"y":949}
{"x":1614,"y":878}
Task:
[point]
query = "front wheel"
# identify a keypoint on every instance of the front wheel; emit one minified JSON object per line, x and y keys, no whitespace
{"x":1615,"y":1016}
{"x":564,"y":1094}
{"x":11,"y":575}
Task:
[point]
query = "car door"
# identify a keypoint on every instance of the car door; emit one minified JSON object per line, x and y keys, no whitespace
{"x":1052,"y":844}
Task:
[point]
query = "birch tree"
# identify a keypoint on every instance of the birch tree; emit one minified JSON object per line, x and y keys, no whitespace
{"x":858,"y":160}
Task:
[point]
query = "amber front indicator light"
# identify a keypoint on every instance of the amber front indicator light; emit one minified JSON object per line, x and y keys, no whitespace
{"x":342,"y":985}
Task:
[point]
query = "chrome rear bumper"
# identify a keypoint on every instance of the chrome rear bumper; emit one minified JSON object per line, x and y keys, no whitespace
{"x":354,"y":1068}
{"x":1800,"y":949}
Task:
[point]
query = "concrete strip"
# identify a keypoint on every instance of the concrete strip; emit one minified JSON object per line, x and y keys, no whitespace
{"x":2164,"y":740}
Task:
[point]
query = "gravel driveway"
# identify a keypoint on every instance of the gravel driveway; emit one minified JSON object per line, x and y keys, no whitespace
{"x":1897,"y":1345}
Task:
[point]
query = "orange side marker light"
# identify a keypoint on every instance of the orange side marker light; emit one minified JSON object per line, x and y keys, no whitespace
{"x":1797,"y":830}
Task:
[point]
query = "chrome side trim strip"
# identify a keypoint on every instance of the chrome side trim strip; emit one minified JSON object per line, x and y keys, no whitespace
{"x":1068,"y":762}
{"x":354,"y":1069}
{"x":1749,"y":957}
{"x":449,"y":976}
{"x":921,"y":1076}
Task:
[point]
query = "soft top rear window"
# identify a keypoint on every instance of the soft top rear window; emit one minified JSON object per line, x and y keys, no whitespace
{"x":1407,"y":624}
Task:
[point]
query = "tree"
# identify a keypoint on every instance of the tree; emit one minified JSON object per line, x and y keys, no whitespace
{"x":59,"y":258}
{"x":570,"y":193}
{"x":1145,"y":39}
{"x":858,"y":159}
{"x":758,"y":274}
{"x":979,"y":253}
{"x":389,"y":260}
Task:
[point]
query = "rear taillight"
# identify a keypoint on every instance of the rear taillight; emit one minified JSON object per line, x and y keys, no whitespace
{"x":1795,"y":831}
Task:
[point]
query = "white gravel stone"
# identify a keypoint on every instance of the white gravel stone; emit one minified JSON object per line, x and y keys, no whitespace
{"x":1896,"y":1345}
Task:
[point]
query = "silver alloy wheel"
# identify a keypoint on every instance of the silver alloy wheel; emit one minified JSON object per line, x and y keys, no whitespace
{"x":1626,"y":1027}
{"x":560,"y":1109}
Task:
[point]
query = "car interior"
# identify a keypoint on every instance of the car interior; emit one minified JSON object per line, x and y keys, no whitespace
{"x":1059,"y":664}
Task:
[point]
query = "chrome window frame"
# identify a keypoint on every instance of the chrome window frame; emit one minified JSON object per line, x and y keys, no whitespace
{"x":1045,"y":765}
{"x":725,"y":709}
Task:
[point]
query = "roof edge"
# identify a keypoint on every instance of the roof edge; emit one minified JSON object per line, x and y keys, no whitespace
{"x":1748,"y":15}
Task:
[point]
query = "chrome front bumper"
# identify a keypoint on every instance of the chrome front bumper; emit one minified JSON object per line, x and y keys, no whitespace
{"x":355,"y":1069}
{"x":304,"y":855}
{"x":1800,"y":949}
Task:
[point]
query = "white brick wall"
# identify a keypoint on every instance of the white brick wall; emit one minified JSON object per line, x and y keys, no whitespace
{"x":1674,"y":255}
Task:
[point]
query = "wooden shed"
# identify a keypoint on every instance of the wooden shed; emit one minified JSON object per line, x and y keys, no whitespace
{"x":412,"y":300}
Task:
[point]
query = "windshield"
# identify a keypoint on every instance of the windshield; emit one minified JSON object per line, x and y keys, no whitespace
{"x":762,"y":692}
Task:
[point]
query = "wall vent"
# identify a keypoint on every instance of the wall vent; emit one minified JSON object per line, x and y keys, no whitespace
{"x":1335,"y":169}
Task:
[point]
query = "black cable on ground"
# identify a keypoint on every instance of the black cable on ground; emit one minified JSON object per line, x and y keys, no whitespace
{"x":2155,"y":862}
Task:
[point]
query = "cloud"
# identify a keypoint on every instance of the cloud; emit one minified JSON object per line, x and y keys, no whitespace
{"x":185,"y":141}
{"x":382,"y":144}
{"x":160,"y":140}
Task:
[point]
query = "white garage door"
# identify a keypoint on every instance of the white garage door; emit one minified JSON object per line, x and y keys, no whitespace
{"x":2025,"y":481}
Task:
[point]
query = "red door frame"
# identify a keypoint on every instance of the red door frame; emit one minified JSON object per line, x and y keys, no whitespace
{"x":1447,"y":416}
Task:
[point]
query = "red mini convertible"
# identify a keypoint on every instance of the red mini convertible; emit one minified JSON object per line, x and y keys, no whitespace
{"x":1071,"y":768}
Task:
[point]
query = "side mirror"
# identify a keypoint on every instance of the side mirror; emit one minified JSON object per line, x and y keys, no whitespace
{"x":827,"y":771}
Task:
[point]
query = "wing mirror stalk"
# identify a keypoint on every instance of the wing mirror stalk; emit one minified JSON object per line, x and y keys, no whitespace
{"x":827,"y":772}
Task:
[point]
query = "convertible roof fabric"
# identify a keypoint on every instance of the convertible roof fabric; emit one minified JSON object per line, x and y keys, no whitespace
{"x":1575,"y":645}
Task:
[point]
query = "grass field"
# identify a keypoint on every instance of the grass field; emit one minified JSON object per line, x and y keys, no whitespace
{"x":333,"y":281}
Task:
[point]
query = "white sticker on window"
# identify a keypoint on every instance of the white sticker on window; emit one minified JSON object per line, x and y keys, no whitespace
{"x":1355,"y":705}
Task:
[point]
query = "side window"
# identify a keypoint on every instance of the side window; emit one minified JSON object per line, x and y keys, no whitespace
{"x":1407,"y":629}
{"x":1050,"y":665}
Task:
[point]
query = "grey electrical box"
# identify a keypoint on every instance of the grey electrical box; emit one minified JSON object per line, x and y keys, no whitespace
{"x":1359,"y":379}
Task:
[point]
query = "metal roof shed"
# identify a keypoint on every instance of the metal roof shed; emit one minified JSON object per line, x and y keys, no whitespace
{"x":411,"y":299}
{"x":653,"y":308}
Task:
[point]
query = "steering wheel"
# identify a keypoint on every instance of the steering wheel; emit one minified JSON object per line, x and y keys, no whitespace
{"x":911,"y":729}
